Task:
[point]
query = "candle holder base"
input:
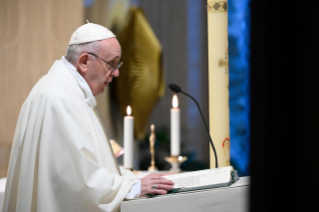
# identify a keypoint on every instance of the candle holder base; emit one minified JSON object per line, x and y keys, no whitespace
{"x":175,"y":161}
{"x":131,"y":169}
{"x":152,"y":169}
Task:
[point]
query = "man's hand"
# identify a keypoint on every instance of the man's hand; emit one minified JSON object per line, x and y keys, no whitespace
{"x":155,"y":184}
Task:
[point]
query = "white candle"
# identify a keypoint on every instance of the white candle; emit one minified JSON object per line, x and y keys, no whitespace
{"x":128,"y":139}
{"x":175,"y":127}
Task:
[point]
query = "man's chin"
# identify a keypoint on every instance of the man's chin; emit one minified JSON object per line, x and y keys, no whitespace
{"x":99,"y":91}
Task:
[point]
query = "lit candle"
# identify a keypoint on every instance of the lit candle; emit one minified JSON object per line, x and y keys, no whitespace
{"x":175,"y":127}
{"x":128,"y":139}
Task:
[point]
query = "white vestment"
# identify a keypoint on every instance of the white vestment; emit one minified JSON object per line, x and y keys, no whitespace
{"x":61,"y":160}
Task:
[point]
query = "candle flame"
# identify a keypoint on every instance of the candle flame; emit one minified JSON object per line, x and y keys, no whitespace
{"x":129,"y":110}
{"x":180,"y":158}
{"x":175,"y":101}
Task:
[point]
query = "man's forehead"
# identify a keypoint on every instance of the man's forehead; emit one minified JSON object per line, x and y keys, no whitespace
{"x":111,"y":46}
{"x":110,"y":42}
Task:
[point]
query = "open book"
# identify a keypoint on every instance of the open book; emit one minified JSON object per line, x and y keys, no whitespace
{"x":203,"y":179}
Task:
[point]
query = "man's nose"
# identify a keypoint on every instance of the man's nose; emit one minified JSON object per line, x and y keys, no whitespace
{"x":116,"y":73}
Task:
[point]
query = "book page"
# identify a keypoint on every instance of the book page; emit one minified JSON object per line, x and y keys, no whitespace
{"x":201,"y":178}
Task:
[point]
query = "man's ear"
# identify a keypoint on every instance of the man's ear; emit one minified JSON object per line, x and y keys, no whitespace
{"x":83,"y":63}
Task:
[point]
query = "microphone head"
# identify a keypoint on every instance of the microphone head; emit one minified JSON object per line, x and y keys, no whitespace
{"x":175,"y":88}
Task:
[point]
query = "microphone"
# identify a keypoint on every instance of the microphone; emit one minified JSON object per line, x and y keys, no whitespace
{"x":177,"y":89}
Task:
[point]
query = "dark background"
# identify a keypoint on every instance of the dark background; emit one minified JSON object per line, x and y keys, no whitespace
{"x":284,"y":106}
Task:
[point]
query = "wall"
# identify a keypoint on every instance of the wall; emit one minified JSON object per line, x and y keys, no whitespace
{"x":33,"y":34}
{"x":175,"y":23}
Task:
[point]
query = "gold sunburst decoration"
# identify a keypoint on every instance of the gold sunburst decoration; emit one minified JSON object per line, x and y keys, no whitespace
{"x":141,"y":81}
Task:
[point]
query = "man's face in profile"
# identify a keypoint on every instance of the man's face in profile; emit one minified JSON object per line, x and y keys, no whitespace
{"x":99,"y":74}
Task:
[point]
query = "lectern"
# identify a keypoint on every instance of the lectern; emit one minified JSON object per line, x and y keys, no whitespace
{"x":233,"y":198}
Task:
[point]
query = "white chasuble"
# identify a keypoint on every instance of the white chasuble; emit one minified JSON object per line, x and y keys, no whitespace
{"x":61,"y":160}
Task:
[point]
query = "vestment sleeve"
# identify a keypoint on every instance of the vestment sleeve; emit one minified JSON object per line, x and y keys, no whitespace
{"x":72,"y":167}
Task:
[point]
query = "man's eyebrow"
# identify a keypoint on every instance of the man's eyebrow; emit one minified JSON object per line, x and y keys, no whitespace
{"x":116,"y":57}
{"x":112,"y":60}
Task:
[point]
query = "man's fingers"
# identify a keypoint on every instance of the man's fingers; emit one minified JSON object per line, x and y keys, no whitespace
{"x":164,"y":187}
{"x":156,"y":184}
{"x":162,"y":181}
{"x":158,"y":191}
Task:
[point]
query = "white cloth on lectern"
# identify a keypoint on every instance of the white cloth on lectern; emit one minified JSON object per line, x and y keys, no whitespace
{"x":60,"y":158}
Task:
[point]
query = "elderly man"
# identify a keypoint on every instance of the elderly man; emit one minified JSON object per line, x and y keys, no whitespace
{"x":61,"y":158}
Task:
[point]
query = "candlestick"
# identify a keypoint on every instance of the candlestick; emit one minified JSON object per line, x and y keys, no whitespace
{"x":152,"y":168}
{"x":175,"y":162}
{"x":175,"y":127}
{"x":128,"y":139}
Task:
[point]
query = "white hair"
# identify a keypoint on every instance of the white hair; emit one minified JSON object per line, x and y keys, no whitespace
{"x":74,"y":51}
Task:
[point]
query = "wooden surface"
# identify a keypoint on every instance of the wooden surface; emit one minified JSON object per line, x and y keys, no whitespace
{"x":33,"y":35}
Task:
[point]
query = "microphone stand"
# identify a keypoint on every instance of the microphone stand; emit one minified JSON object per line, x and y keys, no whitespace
{"x":210,"y":139}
